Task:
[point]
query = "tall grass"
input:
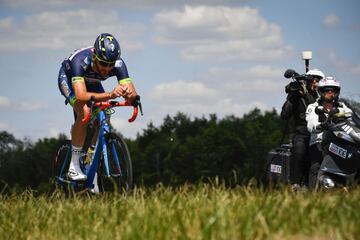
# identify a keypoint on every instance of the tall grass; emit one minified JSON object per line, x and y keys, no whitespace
{"x":187,"y":212}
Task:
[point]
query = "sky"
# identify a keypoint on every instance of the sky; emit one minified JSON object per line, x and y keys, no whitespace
{"x":197,"y":57}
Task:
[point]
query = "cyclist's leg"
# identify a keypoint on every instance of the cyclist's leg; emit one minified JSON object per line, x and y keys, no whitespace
{"x":77,"y":133}
{"x":96,"y":88}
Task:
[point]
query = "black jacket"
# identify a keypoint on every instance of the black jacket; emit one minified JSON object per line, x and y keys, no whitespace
{"x":295,"y":106}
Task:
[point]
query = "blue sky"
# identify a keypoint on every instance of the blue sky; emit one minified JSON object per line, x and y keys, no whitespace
{"x":197,"y":57}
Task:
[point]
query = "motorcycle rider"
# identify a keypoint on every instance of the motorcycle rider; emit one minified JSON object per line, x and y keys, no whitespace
{"x":329,"y":90}
{"x":299,"y":97}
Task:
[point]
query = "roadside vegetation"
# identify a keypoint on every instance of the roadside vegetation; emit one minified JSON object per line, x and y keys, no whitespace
{"x":202,"y":211}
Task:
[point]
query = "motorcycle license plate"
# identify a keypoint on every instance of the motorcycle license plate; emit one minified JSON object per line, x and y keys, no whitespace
{"x":341,"y":152}
{"x":275,"y":168}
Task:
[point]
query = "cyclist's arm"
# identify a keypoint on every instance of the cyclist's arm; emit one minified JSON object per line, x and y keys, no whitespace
{"x":123,"y":78}
{"x":82,"y":94}
{"x":130,"y":89}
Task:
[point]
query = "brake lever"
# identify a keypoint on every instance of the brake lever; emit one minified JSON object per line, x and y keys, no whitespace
{"x":141,"y":111}
{"x":137,"y":102}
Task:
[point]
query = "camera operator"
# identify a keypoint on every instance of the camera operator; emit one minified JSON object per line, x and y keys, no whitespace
{"x":329,"y":90}
{"x":301,"y":93}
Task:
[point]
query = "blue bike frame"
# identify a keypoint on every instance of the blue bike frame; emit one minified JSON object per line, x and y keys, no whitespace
{"x":101,"y":147}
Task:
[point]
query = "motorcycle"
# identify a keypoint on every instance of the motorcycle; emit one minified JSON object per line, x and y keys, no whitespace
{"x":340,"y":165}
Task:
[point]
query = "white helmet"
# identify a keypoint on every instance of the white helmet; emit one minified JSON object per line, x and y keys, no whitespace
{"x":329,"y":82}
{"x":316,"y":73}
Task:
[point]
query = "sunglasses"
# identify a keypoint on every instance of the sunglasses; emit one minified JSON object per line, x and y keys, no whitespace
{"x":315,"y":78}
{"x":329,"y":90}
{"x":104,"y":63}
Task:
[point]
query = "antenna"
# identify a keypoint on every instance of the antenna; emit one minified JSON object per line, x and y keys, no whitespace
{"x":307,"y":56}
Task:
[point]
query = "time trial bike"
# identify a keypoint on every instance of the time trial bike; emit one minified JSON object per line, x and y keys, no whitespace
{"x":111,"y":165}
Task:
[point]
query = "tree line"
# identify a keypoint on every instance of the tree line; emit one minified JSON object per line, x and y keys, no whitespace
{"x":180,"y":150}
{"x":183,"y":150}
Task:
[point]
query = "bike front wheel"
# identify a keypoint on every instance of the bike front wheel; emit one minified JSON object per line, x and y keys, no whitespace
{"x":115,"y":173}
{"x":60,"y":164}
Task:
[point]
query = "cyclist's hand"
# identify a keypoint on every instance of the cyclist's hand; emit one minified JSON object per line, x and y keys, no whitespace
{"x":127,"y":92}
{"x":130,"y":94}
{"x":118,"y":91}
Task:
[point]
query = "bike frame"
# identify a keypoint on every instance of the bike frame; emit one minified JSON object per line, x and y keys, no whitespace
{"x":101,"y":145}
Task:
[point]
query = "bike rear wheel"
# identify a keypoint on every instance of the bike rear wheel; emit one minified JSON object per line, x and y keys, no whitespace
{"x":120,"y":175}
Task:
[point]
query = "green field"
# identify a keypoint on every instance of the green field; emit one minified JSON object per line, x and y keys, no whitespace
{"x":187,"y":212}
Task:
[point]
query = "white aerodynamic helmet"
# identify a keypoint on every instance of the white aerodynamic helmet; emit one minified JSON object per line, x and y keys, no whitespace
{"x":329,"y":83}
{"x":316,"y":73}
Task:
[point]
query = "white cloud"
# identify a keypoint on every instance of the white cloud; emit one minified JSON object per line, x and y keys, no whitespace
{"x":8,"y":128}
{"x":66,"y":29}
{"x":223,"y":91}
{"x":220,"y":33}
{"x":6,"y":23}
{"x":4,"y":126}
{"x":334,"y":60}
{"x":342,"y":64}
{"x":355,"y":69}
{"x":129,"y":130}
{"x":331,"y":20}
{"x":4,"y":102}
{"x":119,"y":123}
{"x":53,"y":132}
{"x":136,"y":4}
{"x":30,"y":105}
{"x":259,"y":79}
{"x":182,"y":92}
{"x":347,"y":72}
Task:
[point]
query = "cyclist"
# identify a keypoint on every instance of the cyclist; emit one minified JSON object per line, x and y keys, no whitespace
{"x":80,"y":79}
{"x":299,"y":97}
{"x":329,"y":90}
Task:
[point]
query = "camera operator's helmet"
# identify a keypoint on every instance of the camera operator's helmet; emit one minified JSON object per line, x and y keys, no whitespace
{"x":329,"y":83}
{"x":106,"y":48}
{"x":316,"y":73}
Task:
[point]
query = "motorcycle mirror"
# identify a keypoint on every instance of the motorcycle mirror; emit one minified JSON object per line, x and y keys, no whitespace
{"x":290,"y":73}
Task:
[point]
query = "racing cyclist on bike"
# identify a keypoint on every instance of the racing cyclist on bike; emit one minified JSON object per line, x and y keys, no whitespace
{"x":80,"y":79}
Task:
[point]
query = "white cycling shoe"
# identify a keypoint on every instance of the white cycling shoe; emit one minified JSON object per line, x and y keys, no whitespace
{"x":76,"y":175}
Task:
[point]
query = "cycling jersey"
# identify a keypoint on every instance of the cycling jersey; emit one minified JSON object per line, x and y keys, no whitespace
{"x":79,"y":67}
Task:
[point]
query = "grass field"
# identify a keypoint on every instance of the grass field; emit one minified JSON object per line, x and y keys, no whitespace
{"x":187,"y":212}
